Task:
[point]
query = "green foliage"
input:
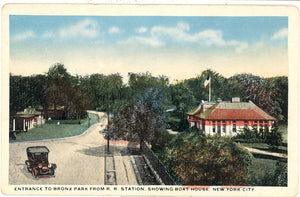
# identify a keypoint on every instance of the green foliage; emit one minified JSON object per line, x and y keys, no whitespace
{"x":184,"y":100}
{"x":252,"y":135}
{"x":274,"y":173}
{"x":222,"y":87}
{"x":104,"y":91}
{"x":274,"y":138}
{"x":108,"y":92}
{"x":267,"y":93}
{"x":27,"y":91}
{"x":280,"y":174}
{"x":65,"y":90}
{"x":264,"y":135}
{"x":140,"y":82}
{"x":142,"y":121}
{"x":279,"y":87}
{"x":195,"y":159}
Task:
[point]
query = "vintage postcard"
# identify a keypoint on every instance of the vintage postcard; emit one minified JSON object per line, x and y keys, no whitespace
{"x":160,"y":100}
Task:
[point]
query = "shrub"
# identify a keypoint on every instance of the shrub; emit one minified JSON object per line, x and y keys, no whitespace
{"x":199,"y":160}
{"x":278,"y":177}
{"x":264,"y":135}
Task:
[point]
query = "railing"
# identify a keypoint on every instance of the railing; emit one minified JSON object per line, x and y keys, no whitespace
{"x":159,"y":168}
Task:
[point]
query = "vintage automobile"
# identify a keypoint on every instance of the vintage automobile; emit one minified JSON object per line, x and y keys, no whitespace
{"x":38,"y":163}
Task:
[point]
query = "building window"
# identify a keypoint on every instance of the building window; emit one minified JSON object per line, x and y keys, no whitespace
{"x":224,"y":127}
{"x":234,"y":126}
{"x":203,"y":125}
{"x":214,"y":126}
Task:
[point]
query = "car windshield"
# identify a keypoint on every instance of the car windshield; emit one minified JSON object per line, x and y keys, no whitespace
{"x":40,"y":156}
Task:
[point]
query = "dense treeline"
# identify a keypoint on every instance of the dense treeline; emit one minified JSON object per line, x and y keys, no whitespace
{"x":139,"y":106}
{"x":109,"y":92}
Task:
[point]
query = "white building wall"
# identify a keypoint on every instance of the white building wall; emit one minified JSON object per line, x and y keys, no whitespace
{"x":192,"y":124}
{"x":208,"y":130}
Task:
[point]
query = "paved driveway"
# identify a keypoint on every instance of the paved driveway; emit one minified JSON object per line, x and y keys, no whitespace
{"x":80,"y":160}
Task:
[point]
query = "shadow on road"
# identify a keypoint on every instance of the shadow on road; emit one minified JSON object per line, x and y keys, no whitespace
{"x":101,"y":151}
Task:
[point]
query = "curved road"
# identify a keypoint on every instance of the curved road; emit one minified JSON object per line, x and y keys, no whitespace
{"x":80,"y":160}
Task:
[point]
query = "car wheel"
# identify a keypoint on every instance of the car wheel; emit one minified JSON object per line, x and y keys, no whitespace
{"x":35,"y":173}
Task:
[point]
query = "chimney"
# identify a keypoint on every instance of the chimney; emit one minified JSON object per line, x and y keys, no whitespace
{"x":202,"y":105}
{"x":235,"y":100}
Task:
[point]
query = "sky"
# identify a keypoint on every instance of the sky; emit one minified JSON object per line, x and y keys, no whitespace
{"x":176,"y":47}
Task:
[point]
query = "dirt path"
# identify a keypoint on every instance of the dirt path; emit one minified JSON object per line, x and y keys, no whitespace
{"x":80,"y":160}
{"x":257,"y":151}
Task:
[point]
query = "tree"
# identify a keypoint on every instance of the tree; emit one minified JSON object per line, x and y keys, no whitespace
{"x":274,"y":137}
{"x":279,"y":87}
{"x":65,"y":91}
{"x":141,"y":82}
{"x":27,"y":91}
{"x":184,"y":100}
{"x":212,"y":160}
{"x":260,"y":92}
{"x":139,"y":121}
{"x":154,"y":100}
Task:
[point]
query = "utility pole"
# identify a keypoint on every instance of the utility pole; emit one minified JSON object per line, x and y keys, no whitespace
{"x":107,"y":132}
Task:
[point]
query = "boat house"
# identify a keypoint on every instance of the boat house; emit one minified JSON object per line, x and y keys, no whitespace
{"x":228,"y":118}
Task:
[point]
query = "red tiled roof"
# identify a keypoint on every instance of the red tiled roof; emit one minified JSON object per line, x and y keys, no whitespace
{"x":234,"y":114}
{"x":233,"y":111}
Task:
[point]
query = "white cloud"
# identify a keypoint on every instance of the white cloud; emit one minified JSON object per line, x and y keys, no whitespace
{"x":48,"y":34}
{"x":239,"y":46}
{"x":280,"y":34}
{"x":24,"y":36}
{"x":180,"y":33}
{"x":150,"y":41}
{"x":86,"y":28}
{"x":209,"y":37}
{"x":113,"y":30}
{"x":141,"y":30}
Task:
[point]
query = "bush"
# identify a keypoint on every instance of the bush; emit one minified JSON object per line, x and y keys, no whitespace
{"x":272,"y":137}
{"x":278,"y":177}
{"x":195,"y":159}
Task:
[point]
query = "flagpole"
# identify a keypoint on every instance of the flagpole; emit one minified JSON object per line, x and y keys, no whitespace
{"x":209,"y":90}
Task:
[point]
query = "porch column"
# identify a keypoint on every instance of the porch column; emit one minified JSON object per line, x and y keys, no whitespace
{"x":14,"y":124}
{"x":24,"y":123}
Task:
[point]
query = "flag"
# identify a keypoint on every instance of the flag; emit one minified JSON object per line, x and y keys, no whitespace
{"x":207,"y":82}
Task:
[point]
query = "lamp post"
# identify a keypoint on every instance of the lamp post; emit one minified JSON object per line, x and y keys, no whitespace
{"x":107,"y":132}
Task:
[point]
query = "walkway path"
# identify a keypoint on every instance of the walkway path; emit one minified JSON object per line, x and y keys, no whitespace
{"x":257,"y":151}
{"x":80,"y":160}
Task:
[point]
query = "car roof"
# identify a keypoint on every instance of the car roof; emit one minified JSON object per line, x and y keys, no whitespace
{"x":37,"y":149}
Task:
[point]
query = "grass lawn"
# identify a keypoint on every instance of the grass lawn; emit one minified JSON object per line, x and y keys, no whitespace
{"x":265,"y":147}
{"x":47,"y":131}
{"x":283,"y":130}
{"x":258,"y":170}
